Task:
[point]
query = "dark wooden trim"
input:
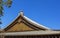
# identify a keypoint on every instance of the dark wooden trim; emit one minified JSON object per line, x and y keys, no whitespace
{"x":13,"y":23}
{"x":35,"y":36}
{"x":10,"y":26}
{"x":29,"y":25}
{"x":33,"y":26}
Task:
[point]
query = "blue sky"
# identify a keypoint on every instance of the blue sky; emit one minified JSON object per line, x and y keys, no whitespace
{"x":45,"y":12}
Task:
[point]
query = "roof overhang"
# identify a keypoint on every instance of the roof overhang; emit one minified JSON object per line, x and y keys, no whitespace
{"x":30,"y":33}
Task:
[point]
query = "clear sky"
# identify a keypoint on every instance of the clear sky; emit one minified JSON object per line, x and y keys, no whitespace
{"x":45,"y":12}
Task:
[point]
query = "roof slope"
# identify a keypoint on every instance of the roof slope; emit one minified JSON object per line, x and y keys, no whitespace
{"x":35,"y":23}
{"x":32,"y":23}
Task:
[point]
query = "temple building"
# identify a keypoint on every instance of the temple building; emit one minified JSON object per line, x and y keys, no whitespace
{"x":24,"y":27}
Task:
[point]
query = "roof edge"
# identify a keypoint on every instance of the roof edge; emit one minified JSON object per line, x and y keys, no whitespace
{"x":30,"y":21}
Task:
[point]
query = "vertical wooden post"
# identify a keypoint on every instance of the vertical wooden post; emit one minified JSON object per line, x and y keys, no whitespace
{"x":55,"y":36}
{"x":58,"y":36}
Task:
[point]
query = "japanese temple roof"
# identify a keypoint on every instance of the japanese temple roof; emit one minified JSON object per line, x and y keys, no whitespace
{"x":28,"y":20}
{"x":44,"y":31}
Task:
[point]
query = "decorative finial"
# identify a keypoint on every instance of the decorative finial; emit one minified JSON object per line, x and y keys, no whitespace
{"x":21,"y":13}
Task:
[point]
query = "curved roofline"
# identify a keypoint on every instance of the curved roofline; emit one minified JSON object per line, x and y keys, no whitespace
{"x":30,"y":21}
{"x":35,"y":23}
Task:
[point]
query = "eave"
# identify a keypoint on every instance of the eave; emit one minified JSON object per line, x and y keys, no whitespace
{"x":30,"y":33}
